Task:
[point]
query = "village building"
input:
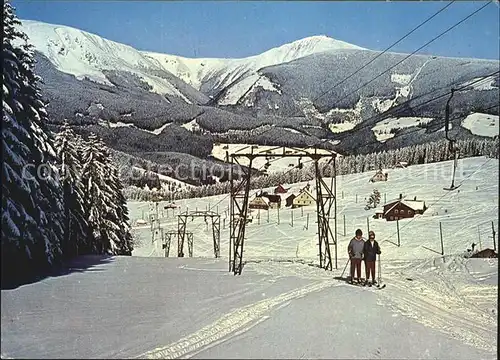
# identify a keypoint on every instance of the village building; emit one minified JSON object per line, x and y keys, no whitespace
{"x":379,"y":176}
{"x":289,"y":200}
{"x":401,"y":165}
{"x":280,"y":190}
{"x":379,"y":214}
{"x":259,"y":202}
{"x":306,"y":188}
{"x":304,"y":199}
{"x":403,"y":209}
{"x":274,"y":201}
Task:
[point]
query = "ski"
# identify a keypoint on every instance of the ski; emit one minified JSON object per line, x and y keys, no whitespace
{"x":376,"y":287}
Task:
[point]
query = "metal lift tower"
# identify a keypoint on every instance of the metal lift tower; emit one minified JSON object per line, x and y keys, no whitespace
{"x":325,"y":201}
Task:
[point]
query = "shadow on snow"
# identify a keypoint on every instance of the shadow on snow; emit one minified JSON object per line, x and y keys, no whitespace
{"x":79,"y":264}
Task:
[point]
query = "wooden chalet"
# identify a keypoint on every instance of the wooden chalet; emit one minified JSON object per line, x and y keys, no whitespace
{"x":379,"y":176}
{"x":304,"y":199}
{"x":289,"y":200}
{"x":259,"y":202}
{"x":401,"y":165}
{"x":379,"y":214}
{"x":274,"y":201}
{"x":403,"y":209}
{"x":280,"y":189}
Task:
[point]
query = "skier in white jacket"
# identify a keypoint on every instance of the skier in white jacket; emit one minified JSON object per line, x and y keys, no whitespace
{"x":355,"y":251}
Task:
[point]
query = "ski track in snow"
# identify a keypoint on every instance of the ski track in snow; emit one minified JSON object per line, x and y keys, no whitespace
{"x":231,"y":324}
{"x":434,"y":302}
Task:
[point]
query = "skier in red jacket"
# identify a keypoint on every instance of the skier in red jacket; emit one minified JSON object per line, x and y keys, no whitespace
{"x":370,"y":251}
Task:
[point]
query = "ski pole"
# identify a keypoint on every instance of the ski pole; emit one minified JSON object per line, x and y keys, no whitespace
{"x":345,"y":267}
{"x":379,"y":271}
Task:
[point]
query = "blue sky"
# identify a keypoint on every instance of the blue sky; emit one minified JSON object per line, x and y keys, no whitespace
{"x":239,"y":29}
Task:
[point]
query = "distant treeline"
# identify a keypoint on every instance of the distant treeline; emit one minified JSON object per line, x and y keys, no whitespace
{"x":412,"y":155}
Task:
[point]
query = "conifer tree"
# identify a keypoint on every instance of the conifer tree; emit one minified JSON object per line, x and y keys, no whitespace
{"x":105,"y":205}
{"x":31,"y":197}
{"x":67,"y":144}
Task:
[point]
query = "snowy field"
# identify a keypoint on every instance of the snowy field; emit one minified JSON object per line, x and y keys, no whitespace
{"x":382,"y":130}
{"x":482,"y":124}
{"x":148,"y":306}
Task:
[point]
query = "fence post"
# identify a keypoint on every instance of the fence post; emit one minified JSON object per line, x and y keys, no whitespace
{"x":397,"y":225}
{"x":278,"y":215}
{"x":368,"y":223}
{"x":267,"y":214}
{"x":356,"y":198}
{"x":385,"y":198}
{"x":301,"y":211}
{"x":479,"y":234}
{"x":258,"y":217}
{"x":441,"y":236}
{"x":494,"y":238}
{"x":307,"y":222}
{"x":292,"y":217}
{"x":344,"y":224}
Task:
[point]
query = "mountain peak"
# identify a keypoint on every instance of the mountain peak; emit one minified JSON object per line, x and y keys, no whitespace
{"x":318,"y":43}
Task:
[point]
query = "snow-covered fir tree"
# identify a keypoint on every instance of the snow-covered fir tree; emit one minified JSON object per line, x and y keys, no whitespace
{"x":67,"y":144}
{"x":122,"y":241}
{"x":373,"y":200}
{"x":32,"y":213}
{"x":105,"y":206}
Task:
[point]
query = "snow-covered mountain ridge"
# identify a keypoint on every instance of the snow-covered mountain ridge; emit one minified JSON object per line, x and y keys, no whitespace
{"x":198,"y":71}
{"x":87,"y":55}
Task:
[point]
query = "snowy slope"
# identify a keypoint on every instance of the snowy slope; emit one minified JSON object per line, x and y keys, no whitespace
{"x":449,"y":294}
{"x":383,"y":129}
{"x":221,"y":73}
{"x":482,"y":124}
{"x":87,"y":55}
{"x":460,"y":214}
{"x":132,"y":307}
{"x":164,"y":178}
{"x":433,"y":306}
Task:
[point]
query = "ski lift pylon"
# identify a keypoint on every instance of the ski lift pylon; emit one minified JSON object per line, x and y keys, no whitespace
{"x":451,"y":143}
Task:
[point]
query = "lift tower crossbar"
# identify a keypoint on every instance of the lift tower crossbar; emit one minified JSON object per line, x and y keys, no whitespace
{"x":181,"y":229}
{"x":325,"y":200}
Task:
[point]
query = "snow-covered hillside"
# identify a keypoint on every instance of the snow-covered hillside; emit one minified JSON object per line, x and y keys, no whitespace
{"x":385,"y":129}
{"x":482,"y":124}
{"x":87,"y":55}
{"x":449,"y":294}
{"x":136,"y":307}
{"x":460,"y":212}
{"x":222,"y":73}
{"x":165,"y":179}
